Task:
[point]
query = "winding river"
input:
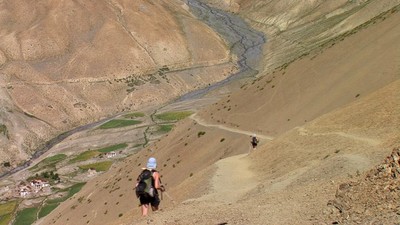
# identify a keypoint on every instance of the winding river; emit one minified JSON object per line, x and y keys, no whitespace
{"x":245,"y":42}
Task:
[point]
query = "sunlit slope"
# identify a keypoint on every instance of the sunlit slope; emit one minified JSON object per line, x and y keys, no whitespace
{"x":301,"y":26}
{"x":332,"y":114}
{"x":297,"y":173}
{"x":67,"y":63}
{"x":320,"y":82}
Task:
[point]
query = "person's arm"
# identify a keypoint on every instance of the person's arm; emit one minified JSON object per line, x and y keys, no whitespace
{"x":157,"y":184}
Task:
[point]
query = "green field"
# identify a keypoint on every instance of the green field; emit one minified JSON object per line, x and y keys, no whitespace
{"x":173,"y":116}
{"x":54,"y":158}
{"x":100,"y":166}
{"x":75,"y":189}
{"x":113,"y":148}
{"x":46,"y":209}
{"x":165,"y":128}
{"x":26,"y":216}
{"x":71,"y":191}
{"x":49,"y":161}
{"x":6,"y":212}
{"x":134,"y":115}
{"x":85,"y":156}
{"x":119,"y":123}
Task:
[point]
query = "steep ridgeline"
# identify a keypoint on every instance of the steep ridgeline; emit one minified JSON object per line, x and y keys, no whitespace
{"x":68,"y":63}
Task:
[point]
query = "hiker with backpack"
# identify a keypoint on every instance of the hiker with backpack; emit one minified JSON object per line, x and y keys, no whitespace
{"x":254,"y":141}
{"x":147,"y":187}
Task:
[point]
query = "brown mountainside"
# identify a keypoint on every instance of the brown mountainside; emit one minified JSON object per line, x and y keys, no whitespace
{"x":319,"y":83}
{"x":333,"y":114}
{"x":68,"y":63}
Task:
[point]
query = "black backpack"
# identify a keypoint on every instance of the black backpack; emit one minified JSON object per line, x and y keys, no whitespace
{"x":254,"y":140}
{"x":145,"y":186}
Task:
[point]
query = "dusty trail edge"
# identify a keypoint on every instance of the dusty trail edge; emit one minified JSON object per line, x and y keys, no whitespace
{"x":234,"y":130}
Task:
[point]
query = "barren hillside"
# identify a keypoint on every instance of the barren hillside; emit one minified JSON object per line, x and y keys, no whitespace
{"x":68,"y":63}
{"x":332,"y":115}
{"x":318,"y":83}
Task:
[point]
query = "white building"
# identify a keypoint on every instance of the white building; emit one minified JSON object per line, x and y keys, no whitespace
{"x":111,"y":154}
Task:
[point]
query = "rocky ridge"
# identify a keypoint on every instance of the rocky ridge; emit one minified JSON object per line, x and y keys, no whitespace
{"x":372,"y":198}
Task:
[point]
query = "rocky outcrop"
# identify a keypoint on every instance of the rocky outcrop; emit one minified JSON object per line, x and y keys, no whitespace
{"x":372,"y":199}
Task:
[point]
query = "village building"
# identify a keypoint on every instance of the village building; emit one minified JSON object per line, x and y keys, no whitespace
{"x":111,"y":154}
{"x":23,"y":190}
{"x":38,"y":184}
{"x":91,"y":172}
{"x":33,"y":187}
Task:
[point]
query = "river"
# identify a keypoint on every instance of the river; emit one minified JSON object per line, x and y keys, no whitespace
{"x":244,"y":41}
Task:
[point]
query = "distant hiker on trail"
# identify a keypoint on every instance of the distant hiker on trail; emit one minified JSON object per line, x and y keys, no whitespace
{"x":148,"y":184}
{"x":254,"y":141}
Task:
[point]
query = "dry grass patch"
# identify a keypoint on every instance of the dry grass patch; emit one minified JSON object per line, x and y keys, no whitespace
{"x":6,"y":212}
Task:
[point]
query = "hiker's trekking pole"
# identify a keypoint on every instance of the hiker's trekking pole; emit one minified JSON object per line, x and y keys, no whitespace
{"x":162,"y":189}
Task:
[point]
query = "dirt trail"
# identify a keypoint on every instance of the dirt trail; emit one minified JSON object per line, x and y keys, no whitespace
{"x":234,"y":130}
{"x":374,"y":142}
{"x":231,"y":181}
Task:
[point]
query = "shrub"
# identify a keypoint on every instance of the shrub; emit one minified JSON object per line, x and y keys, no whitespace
{"x":201,"y":133}
{"x":3,"y":129}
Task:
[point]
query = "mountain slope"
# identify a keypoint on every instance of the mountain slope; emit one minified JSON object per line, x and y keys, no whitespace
{"x":69,"y":63}
{"x":352,"y":124}
{"x":316,"y":84}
